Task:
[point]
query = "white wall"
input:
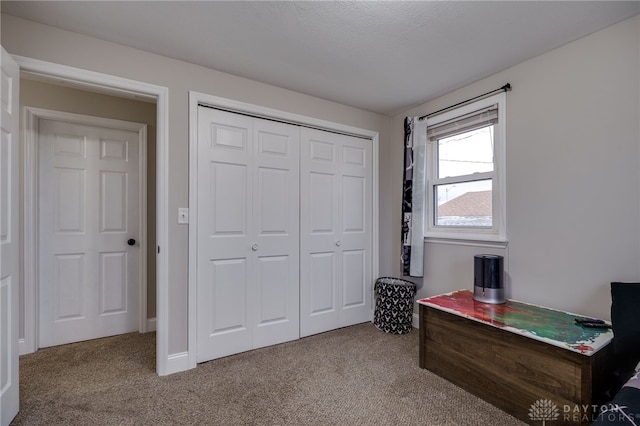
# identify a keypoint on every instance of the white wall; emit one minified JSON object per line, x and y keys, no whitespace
{"x":30,"y":39}
{"x":573,"y":175}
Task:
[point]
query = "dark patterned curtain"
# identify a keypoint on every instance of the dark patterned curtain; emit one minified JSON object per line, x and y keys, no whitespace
{"x":407,"y":185}
{"x":413,"y":196}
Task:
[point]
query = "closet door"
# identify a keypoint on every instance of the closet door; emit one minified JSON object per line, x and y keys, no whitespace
{"x":275,"y":298}
{"x":224,"y":233}
{"x":248,"y":233}
{"x":335,"y":266}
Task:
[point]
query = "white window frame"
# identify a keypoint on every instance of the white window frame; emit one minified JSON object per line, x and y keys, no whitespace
{"x":498,"y":230}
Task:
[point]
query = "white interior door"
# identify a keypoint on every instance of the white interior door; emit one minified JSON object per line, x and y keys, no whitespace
{"x":248,"y":233}
{"x":89,"y":248}
{"x":9,"y":239}
{"x":224,"y":234}
{"x":335,"y":266}
{"x":276,"y":225}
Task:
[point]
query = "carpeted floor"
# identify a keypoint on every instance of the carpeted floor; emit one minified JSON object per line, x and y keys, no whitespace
{"x":353,"y":376}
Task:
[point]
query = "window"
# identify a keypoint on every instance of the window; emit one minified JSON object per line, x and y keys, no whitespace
{"x":465,"y":171}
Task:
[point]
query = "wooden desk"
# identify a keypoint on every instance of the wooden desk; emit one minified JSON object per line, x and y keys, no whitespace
{"x":524,"y":359}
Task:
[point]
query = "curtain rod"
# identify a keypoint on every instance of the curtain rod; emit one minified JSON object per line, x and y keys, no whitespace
{"x":506,"y":88}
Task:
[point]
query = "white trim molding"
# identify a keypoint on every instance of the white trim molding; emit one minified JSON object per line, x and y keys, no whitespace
{"x":415,"y":320}
{"x":497,"y":231}
{"x":177,"y":362}
{"x":456,"y":241}
{"x":151,"y":325}
{"x":196,"y":99}
{"x":119,"y":86}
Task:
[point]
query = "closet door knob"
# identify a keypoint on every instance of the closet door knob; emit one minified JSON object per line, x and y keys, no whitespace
{"x":254,"y":247}
{"x":338,"y":243}
{"x":131,"y":241}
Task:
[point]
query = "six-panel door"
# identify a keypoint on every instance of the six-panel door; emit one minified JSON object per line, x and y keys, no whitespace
{"x":88,"y":210}
{"x":335,"y":209}
{"x":9,"y":238}
{"x":248,"y":233}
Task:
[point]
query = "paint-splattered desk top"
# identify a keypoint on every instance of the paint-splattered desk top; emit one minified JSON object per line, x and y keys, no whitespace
{"x":547,"y":325}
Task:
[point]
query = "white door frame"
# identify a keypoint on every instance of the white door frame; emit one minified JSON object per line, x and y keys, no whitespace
{"x":118,"y":86}
{"x":196,"y":99}
{"x":31,"y":217}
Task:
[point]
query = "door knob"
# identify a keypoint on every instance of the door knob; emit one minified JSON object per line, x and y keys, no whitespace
{"x":338,"y":243}
{"x":254,"y":247}
{"x":131,"y":241}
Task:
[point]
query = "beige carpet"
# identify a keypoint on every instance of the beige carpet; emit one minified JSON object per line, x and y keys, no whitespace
{"x":353,"y":376}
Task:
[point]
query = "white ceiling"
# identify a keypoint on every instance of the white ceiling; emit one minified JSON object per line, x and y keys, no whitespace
{"x":379,"y":56}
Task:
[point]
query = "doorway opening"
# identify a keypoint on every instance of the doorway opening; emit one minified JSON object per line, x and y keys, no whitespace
{"x":87,"y":198}
{"x":97,"y":84}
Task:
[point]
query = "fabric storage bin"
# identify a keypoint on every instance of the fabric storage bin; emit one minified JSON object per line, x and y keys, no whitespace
{"x":394,"y":305}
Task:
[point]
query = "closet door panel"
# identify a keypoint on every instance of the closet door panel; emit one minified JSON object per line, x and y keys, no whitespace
{"x":355,"y":230}
{"x":273,"y":202}
{"x":320,"y":208}
{"x":336,"y":282}
{"x":225,"y":227}
{"x":273,"y":285}
{"x":322,"y":285}
{"x":276,"y":242}
{"x":228,"y":309}
{"x":354,"y":278}
{"x":228,"y":185}
{"x":354,"y":198}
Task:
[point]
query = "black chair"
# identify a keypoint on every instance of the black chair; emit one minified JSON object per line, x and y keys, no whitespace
{"x":624,"y":395}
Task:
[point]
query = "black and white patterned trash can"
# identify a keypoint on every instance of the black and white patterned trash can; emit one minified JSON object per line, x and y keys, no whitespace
{"x":394,"y":305}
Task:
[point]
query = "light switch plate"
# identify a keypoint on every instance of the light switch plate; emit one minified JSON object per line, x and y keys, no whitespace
{"x":183,"y":215}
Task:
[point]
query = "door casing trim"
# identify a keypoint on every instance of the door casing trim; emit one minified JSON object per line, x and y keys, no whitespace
{"x":118,"y":86}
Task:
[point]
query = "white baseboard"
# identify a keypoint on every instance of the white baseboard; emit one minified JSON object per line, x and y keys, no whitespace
{"x":176,"y":363}
{"x":151,"y":325}
{"x":415,"y":321}
{"x":22,"y":347}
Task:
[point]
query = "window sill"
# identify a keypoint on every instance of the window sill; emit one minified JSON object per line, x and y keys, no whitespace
{"x":467,"y":240}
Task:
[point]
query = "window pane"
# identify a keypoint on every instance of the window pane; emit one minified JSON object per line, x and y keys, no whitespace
{"x":464,"y":204}
{"x":466,"y":153}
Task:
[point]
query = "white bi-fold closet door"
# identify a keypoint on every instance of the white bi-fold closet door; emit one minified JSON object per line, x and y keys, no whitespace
{"x":248,"y":233}
{"x":283,"y":232}
{"x":335,"y":212}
